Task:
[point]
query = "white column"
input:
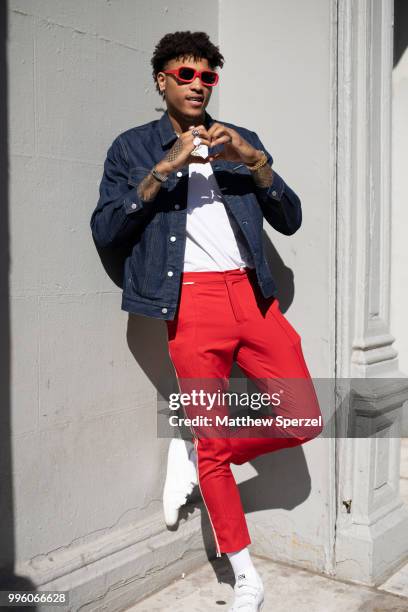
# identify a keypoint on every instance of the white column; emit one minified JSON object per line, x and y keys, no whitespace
{"x":372,"y":524}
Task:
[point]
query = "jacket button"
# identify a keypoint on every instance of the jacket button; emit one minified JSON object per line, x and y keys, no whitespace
{"x":169,"y":273}
{"x":134,"y":205}
{"x":274,"y":193}
{"x":177,"y":206}
{"x":164,"y":310}
{"x":173,"y":238}
{"x":179,"y":174}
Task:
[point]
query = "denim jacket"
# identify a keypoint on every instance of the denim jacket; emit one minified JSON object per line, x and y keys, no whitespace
{"x":156,"y":231}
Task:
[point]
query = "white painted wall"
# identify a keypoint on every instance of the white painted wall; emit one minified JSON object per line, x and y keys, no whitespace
{"x":399,"y":257}
{"x":278,"y":81}
{"x":86,"y":458}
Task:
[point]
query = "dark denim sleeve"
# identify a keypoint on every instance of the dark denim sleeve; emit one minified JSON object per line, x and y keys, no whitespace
{"x":280,"y":205}
{"x":119,"y":212}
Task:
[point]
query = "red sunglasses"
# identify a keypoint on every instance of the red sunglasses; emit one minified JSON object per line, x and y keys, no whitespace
{"x":186,"y":74}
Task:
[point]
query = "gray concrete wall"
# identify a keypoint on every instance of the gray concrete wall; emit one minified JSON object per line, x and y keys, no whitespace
{"x":86,"y":458}
{"x":278,"y":81}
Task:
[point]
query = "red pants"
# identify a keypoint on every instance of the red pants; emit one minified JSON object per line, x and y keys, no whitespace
{"x":222,"y":318}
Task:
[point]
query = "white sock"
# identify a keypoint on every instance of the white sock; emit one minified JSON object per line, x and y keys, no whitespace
{"x":242,"y":565}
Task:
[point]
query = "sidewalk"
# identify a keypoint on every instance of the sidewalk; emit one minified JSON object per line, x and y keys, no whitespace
{"x":287,"y":588}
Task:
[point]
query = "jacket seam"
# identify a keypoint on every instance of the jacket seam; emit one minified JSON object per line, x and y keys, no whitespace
{"x":124,"y":150}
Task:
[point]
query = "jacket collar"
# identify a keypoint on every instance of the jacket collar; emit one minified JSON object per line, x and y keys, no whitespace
{"x":166,"y":129}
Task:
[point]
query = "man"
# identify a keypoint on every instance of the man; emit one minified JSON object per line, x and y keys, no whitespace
{"x":189,"y":194}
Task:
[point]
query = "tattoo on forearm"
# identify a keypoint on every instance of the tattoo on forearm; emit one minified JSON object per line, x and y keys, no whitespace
{"x":148,"y":188}
{"x":174,"y":151}
{"x":263,"y":177}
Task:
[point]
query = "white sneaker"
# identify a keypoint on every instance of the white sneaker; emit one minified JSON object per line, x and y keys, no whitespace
{"x":249,"y":594}
{"x":181,"y":478}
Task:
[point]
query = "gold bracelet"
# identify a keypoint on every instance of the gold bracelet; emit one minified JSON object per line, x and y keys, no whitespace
{"x":262,"y":162}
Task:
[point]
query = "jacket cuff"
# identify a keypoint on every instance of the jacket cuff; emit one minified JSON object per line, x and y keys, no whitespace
{"x":275,"y":191}
{"x":277,"y":188}
{"x":131,"y":202}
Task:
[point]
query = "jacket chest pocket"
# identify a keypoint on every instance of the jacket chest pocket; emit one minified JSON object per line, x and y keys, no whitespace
{"x":233,"y":178}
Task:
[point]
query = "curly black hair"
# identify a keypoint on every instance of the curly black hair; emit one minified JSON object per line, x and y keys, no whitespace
{"x":182,"y":45}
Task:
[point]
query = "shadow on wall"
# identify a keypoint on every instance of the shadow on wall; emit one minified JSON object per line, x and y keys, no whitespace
{"x":8,"y":579}
{"x":400,"y":29}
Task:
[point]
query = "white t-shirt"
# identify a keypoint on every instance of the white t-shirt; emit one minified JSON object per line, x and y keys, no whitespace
{"x":214,"y":240}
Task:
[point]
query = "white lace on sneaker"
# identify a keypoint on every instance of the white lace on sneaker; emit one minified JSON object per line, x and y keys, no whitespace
{"x":181,"y":478}
{"x":249,"y":597}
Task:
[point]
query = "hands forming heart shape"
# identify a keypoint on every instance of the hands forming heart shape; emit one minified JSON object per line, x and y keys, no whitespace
{"x":235,"y":148}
